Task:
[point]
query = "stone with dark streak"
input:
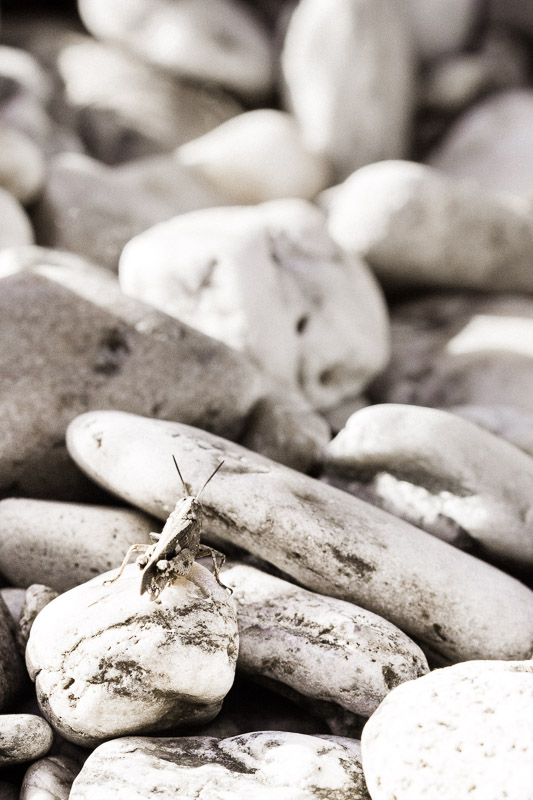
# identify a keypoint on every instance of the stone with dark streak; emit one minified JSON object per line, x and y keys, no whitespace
{"x":326,"y":539}
{"x":23,"y":737}
{"x":260,"y":765}
{"x":108,"y":661}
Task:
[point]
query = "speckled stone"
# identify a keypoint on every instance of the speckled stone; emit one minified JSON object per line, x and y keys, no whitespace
{"x":23,"y":737}
{"x":327,"y":540}
{"x":259,"y":765}
{"x":95,"y":656}
{"x":49,"y":779}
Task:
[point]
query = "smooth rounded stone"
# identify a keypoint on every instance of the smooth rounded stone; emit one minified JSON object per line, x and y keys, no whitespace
{"x":96,"y":656}
{"x":458,"y":349}
{"x":259,"y":765}
{"x":22,"y":167}
{"x":26,"y":257}
{"x":417,"y":226}
{"x":14,"y":599}
{"x":49,"y":779}
{"x":257,"y":156}
{"x":93,"y":209}
{"x":15,"y":226}
{"x":307,"y":314}
{"x":489,"y":144}
{"x":326,"y":539}
{"x":12,"y":673}
{"x":475,"y":492}
{"x":65,"y":544}
{"x":320,"y":646}
{"x":37,"y":596}
{"x":463,"y":731}
{"x":127,"y":108}
{"x":72,"y":342}
{"x":332,"y":65}
{"x":23,"y":737}
{"x":438,"y":27}
{"x":23,"y":72}
{"x":213,"y":41}
{"x":510,"y":423}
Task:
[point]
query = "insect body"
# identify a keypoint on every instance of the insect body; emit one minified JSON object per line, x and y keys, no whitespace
{"x":175,"y":548}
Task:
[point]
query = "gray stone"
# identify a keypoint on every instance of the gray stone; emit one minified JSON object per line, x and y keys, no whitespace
{"x":65,"y":544}
{"x":22,"y":167}
{"x":320,"y":646}
{"x":463,"y":731}
{"x":37,"y":597}
{"x":11,"y":665}
{"x":14,"y":600}
{"x":23,"y":737}
{"x":73,"y":341}
{"x":210,"y":41}
{"x":332,"y":64}
{"x":15,"y":226}
{"x":439,"y":27}
{"x":95,"y":654}
{"x":511,"y":424}
{"x":475,"y":492}
{"x":417,"y":226}
{"x":327,"y":540}
{"x":49,"y":779}
{"x":258,"y":765}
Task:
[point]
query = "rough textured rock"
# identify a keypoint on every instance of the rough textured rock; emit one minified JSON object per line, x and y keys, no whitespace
{"x":489,"y":144}
{"x":49,"y":779}
{"x":11,"y":664}
{"x":458,"y":349}
{"x":22,"y":167}
{"x":101,"y":675}
{"x":23,"y":737}
{"x":326,"y":539}
{"x":64,"y":544}
{"x":269,"y":281}
{"x":464,"y":731}
{"x":212,"y":41}
{"x":36,"y":598}
{"x":73,"y":341}
{"x":438,"y":27}
{"x":475,"y":492}
{"x":15,"y":226}
{"x":349,"y":80}
{"x":255,"y":157}
{"x":320,"y":646}
{"x":511,"y":424}
{"x":416,"y":226}
{"x":260,"y":765}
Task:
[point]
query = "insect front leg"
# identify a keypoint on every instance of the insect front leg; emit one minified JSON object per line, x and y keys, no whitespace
{"x":203,"y":552}
{"x":133,"y":549}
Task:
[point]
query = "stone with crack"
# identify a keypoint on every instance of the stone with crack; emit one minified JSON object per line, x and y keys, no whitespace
{"x":107,"y":661}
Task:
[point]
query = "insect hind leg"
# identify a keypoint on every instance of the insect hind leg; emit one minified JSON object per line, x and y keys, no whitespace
{"x":203,"y":552}
{"x":135,"y":548}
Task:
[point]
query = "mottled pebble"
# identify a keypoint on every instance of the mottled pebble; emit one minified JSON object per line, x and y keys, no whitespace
{"x":23,"y":737}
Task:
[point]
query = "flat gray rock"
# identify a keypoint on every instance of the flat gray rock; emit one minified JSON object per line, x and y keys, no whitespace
{"x":329,"y":541}
{"x":259,"y":765}
{"x":464,"y":731}
{"x":23,"y":737}
{"x":49,"y":779}
{"x":95,"y":654}
{"x":65,"y":544}
{"x":322,"y":647}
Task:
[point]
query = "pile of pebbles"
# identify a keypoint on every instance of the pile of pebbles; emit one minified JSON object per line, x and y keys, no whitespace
{"x":291,"y":242}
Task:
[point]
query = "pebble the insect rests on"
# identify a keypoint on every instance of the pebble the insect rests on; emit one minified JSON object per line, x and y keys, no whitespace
{"x":176,"y":547}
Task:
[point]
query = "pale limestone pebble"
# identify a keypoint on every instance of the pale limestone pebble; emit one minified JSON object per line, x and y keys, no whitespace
{"x":95,"y":654}
{"x":65,"y":544}
{"x":49,"y":779}
{"x":269,"y":281}
{"x":510,"y":423}
{"x":438,"y":27}
{"x":460,"y":349}
{"x":322,"y":647}
{"x":25,"y":73}
{"x":126,"y":108}
{"x":73,"y":341}
{"x":417,"y":226}
{"x":348,"y":80}
{"x":15,"y":226}
{"x":22,"y":165}
{"x":92,"y":209}
{"x":37,"y":597}
{"x":474,"y":492}
{"x":463,"y":731}
{"x":23,"y":737}
{"x":325,"y":539}
{"x":257,"y":156}
{"x":14,"y":599}
{"x":490,"y":144}
{"x":259,"y":765}
{"x":213,"y":41}
{"x":12,"y":674}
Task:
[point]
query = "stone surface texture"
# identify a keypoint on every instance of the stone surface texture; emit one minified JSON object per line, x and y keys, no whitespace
{"x":23,"y":737}
{"x":49,"y":779}
{"x":37,"y":596}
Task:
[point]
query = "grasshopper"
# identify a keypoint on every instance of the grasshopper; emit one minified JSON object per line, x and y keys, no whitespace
{"x":176,"y":547}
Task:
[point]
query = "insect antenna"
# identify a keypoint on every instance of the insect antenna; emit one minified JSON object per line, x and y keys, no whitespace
{"x":207,"y":481}
{"x":181,"y":476}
